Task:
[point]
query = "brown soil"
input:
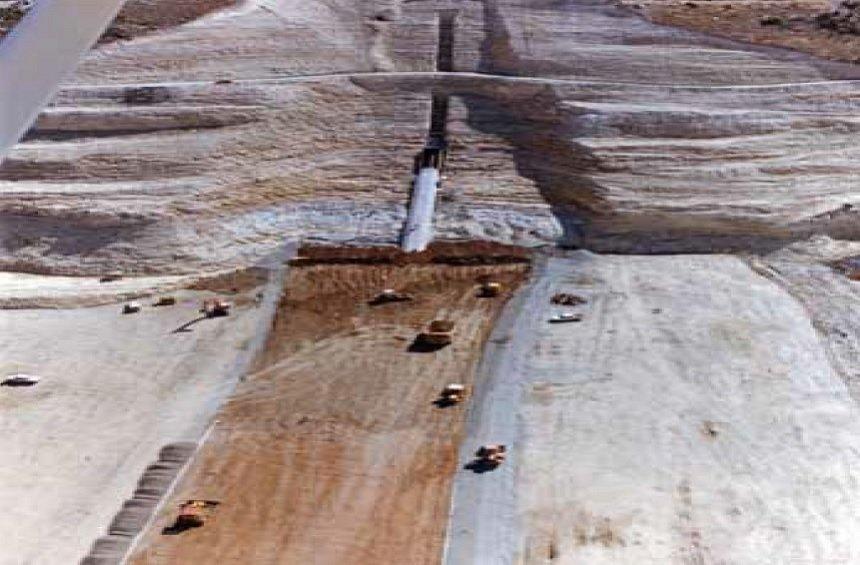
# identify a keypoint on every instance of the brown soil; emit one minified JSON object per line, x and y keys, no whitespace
{"x":332,"y":451}
{"x":742,"y":20}
{"x":139,"y":17}
{"x":440,"y":252}
{"x":234,"y":282}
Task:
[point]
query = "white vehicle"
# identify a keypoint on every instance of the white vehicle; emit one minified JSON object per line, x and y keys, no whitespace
{"x":566,"y":317}
{"x":20,"y":379}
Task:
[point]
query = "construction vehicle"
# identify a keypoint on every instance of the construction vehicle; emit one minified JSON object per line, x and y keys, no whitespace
{"x":453,"y":393}
{"x":131,"y":308}
{"x":491,"y":455}
{"x":20,"y":379}
{"x":489,"y":289}
{"x":165,"y":301}
{"x":193,"y":514}
{"x":566,"y":317}
{"x":390,"y":295}
{"x":215,"y":308}
{"x":437,"y":334}
{"x":567,"y":299}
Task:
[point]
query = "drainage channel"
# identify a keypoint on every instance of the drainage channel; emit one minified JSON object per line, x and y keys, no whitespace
{"x":430,"y":162}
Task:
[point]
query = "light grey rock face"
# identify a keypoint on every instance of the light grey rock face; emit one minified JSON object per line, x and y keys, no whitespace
{"x":571,"y":121}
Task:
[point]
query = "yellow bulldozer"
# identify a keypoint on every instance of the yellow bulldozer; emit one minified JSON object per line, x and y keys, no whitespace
{"x":438,"y":334}
{"x":193,"y":513}
{"x":453,"y":393}
{"x":489,"y":289}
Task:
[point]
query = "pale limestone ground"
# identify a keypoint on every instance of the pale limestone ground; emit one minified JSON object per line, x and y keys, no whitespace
{"x":115,"y":389}
{"x":694,"y":416}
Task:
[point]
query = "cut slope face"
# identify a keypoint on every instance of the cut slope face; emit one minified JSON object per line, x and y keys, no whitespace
{"x":332,"y":450}
{"x":571,"y":120}
{"x":693,"y":416}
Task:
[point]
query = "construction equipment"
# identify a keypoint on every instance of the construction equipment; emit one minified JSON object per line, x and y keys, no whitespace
{"x":453,"y":393}
{"x":564,"y":318}
{"x":165,"y":301}
{"x":567,"y":299}
{"x":492,"y":455}
{"x":131,"y":308}
{"x":20,"y":379}
{"x":489,"y":289}
{"x":215,"y":308}
{"x":438,"y":334}
{"x":390,"y":295}
{"x":193,"y":514}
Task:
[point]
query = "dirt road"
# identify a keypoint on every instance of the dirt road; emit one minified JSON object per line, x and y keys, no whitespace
{"x":332,"y":451}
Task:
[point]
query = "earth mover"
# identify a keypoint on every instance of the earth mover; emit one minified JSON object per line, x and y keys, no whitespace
{"x":390,"y":295}
{"x":215,"y":308}
{"x":490,"y":289}
{"x":193,"y":513}
{"x":492,"y":455}
{"x":438,"y":334}
{"x":453,"y":393}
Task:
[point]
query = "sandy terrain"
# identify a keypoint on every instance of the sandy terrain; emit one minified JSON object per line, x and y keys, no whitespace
{"x":692,"y":417}
{"x":115,"y":389}
{"x":332,"y":451}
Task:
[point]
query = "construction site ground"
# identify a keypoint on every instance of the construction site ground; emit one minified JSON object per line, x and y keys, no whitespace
{"x":788,"y":23}
{"x":115,"y":388}
{"x":331,"y":450}
{"x":695,"y":415}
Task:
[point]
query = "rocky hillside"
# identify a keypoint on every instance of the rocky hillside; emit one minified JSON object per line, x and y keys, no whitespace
{"x":207,"y":144}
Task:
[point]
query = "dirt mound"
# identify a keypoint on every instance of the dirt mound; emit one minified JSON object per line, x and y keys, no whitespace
{"x":844,"y":19}
{"x":440,"y":252}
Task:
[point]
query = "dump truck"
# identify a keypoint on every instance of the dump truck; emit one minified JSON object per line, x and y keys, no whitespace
{"x":438,"y":333}
{"x":490,"y":289}
{"x":131,"y":308}
{"x":453,"y":393}
{"x":492,"y":455}
{"x":193,"y":513}
{"x":165,"y":301}
{"x":215,"y":308}
{"x":390,"y":295}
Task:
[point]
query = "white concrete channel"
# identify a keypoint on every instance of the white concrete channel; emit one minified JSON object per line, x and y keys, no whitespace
{"x":39,"y":53}
{"x":418,"y":232}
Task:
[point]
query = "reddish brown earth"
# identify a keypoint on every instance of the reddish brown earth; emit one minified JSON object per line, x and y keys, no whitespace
{"x":332,"y":451}
{"x":140,"y":17}
{"x":742,"y":20}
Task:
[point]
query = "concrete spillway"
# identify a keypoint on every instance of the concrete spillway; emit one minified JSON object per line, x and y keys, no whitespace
{"x":418,"y":232}
{"x":39,"y":53}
